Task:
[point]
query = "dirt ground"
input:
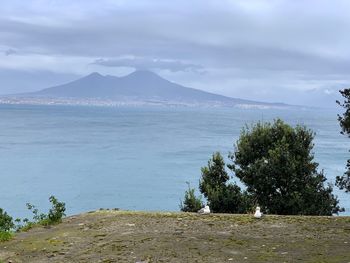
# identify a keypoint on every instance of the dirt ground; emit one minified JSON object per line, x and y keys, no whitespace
{"x":122,"y":236}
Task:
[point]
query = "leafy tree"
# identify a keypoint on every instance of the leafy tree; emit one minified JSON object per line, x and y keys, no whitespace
{"x":223,"y":197}
{"x":276,"y":164}
{"x":191,"y":203}
{"x":6,"y":221}
{"x":343,"y":182}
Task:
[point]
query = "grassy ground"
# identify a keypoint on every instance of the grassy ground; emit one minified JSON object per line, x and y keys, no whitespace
{"x":120,"y":236}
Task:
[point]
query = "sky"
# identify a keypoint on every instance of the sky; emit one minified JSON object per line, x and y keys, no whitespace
{"x":295,"y":52}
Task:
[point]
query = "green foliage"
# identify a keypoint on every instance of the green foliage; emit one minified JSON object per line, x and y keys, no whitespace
{"x":276,"y":164}
{"x":223,"y":197}
{"x":191,"y":203}
{"x":214,"y":175}
{"x":6,"y":221}
{"x":37,"y":217}
{"x":6,"y":224}
{"x":55,"y":215}
{"x":5,"y":236}
{"x":344,"y":119}
{"x":343,"y":182}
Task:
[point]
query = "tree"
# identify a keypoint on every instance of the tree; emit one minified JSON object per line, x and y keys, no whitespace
{"x":191,"y":202}
{"x":276,"y":164}
{"x":223,"y":197}
{"x":343,"y":182}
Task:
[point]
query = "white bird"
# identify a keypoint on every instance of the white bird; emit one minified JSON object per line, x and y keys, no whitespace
{"x":257,"y":213}
{"x":205,"y":210}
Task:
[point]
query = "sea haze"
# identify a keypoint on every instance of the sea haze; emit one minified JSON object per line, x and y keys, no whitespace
{"x":132,"y":157}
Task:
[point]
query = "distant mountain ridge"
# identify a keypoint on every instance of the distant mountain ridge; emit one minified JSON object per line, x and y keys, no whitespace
{"x":140,"y":85}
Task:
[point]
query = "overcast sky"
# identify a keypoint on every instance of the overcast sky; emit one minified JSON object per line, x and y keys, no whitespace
{"x":292,"y":51}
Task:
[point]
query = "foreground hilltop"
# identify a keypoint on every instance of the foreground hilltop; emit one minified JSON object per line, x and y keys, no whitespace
{"x":119,"y":236}
{"x":139,"y":87}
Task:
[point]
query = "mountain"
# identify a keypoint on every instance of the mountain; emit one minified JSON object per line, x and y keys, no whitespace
{"x":139,"y":86}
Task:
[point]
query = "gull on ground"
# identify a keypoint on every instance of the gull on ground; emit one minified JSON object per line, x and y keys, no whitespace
{"x":205,"y":210}
{"x":257,"y":213}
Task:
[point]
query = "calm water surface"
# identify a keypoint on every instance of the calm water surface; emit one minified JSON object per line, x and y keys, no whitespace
{"x":131,"y":158}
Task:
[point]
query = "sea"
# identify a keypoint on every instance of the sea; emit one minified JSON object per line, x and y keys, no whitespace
{"x":133,"y":158}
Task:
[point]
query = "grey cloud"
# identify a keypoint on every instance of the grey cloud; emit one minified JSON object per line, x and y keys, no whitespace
{"x":280,"y":44}
{"x":225,"y":38}
{"x":278,"y":59}
{"x":149,"y":63}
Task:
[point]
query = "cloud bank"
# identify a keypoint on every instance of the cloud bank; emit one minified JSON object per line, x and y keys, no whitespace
{"x":272,"y":50}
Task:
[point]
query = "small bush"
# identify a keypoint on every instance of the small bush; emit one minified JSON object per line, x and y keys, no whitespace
{"x":5,"y":236}
{"x":55,"y":215}
{"x":192,"y":203}
{"x":6,"y":222}
{"x":37,"y":217}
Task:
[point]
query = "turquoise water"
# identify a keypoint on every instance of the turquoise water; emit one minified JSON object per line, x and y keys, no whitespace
{"x":131,"y":158}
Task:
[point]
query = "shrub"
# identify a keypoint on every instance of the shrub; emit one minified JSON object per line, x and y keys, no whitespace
{"x":5,"y":236}
{"x":55,"y":215}
{"x":6,"y":221}
{"x":6,"y":225}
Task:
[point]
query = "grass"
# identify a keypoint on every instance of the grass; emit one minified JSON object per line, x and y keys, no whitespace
{"x":125,"y":236}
